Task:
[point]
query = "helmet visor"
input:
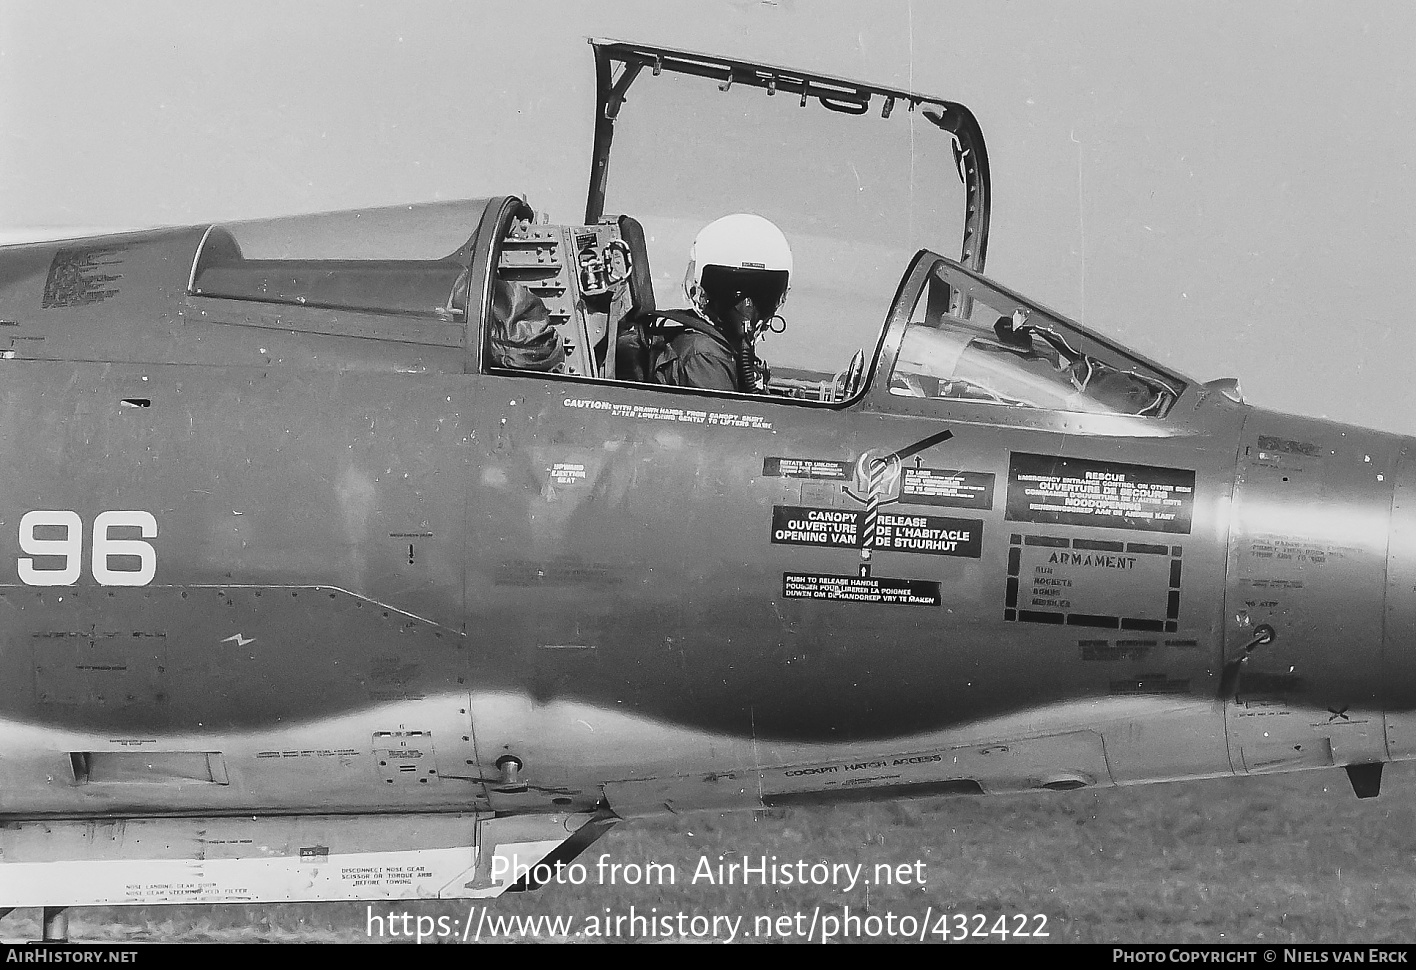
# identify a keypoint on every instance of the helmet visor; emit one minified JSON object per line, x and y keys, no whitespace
{"x":725,"y":286}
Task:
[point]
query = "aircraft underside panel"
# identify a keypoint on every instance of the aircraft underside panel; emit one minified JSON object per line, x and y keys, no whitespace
{"x":272,"y":858}
{"x":1056,"y":762}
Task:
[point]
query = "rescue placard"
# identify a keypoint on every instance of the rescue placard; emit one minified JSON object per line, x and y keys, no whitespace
{"x":860,"y":589}
{"x":933,"y":535}
{"x":938,"y":486}
{"x":1113,"y":495}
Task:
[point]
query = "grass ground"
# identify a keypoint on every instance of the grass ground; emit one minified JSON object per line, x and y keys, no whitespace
{"x":1292,"y":858}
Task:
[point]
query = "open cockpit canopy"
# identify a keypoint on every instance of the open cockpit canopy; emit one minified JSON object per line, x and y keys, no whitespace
{"x":859,"y":177}
{"x":618,"y":65}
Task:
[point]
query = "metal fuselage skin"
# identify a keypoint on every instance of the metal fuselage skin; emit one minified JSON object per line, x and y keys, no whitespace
{"x":587,"y":577}
{"x":377,"y":577}
{"x":302,"y":599}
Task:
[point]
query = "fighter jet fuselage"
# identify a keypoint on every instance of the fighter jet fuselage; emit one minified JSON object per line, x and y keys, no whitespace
{"x":284,"y":550}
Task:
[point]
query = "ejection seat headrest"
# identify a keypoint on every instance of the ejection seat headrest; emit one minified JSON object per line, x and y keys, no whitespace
{"x":641,"y":280}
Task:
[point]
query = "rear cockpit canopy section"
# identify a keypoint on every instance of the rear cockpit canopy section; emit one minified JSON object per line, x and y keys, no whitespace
{"x":516,"y":293}
{"x":435,"y":289}
{"x":385,"y":289}
{"x":453,"y":287}
{"x":336,"y":282}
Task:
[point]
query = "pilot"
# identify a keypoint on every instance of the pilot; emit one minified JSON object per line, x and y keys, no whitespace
{"x":739,"y":270}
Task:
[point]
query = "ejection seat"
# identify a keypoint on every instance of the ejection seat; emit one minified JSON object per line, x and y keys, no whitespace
{"x":633,"y":304}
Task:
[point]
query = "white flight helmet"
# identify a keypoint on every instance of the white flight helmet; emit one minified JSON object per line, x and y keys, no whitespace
{"x":743,"y":249}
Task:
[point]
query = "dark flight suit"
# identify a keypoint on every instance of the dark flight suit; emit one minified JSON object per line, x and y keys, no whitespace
{"x":521,"y":334}
{"x":693,"y":359}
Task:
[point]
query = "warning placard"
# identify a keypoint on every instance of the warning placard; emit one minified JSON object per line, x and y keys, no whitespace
{"x":860,"y":589}
{"x":938,"y":486}
{"x":1077,"y":491}
{"x":794,"y":525}
{"x":567,"y":473}
{"x":934,"y":535}
{"x":821,"y":469}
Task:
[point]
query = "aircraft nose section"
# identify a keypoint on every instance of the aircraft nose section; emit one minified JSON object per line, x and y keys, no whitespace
{"x":1321,"y":556}
{"x":1399,"y":648}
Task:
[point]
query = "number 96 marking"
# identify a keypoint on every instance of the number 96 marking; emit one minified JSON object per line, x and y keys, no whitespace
{"x":70,"y":548}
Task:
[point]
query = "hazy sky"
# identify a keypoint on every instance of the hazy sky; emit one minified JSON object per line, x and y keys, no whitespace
{"x":1227,"y":187}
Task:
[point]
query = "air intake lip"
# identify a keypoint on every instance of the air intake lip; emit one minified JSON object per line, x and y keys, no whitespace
{"x":1066,"y":781}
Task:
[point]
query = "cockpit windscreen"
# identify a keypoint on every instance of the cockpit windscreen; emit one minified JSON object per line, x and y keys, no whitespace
{"x":968,"y":342}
